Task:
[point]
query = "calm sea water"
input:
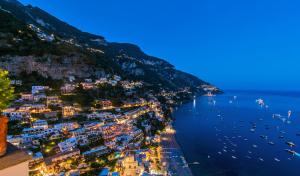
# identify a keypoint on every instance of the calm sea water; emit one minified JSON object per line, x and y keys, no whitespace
{"x":216,"y":132}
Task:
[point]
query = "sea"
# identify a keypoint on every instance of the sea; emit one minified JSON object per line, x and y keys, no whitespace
{"x":241,"y":133}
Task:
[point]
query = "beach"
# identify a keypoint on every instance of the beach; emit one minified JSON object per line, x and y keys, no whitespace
{"x":173,"y":156}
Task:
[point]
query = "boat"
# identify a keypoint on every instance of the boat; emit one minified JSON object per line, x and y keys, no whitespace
{"x":291,"y":144}
{"x":271,"y":143}
{"x":261,"y":159}
{"x":291,"y":151}
{"x":260,"y":102}
{"x":289,"y":113}
{"x":234,"y":157}
{"x":276,"y":159}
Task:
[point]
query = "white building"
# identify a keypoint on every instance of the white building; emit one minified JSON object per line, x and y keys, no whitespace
{"x":38,"y":89}
{"x":40,"y":124}
{"x":26,"y":96}
{"x":101,"y":81}
{"x":14,"y":114}
{"x":67,"y":88}
{"x":117,"y":78}
{"x":66,"y":126}
{"x":68,"y":145}
{"x":38,"y":97}
{"x":102,"y":115}
{"x":39,"y":131}
{"x":97,"y":151}
{"x":16,"y":82}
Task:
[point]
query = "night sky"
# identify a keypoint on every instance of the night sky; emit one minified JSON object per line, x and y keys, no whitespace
{"x":241,"y":44}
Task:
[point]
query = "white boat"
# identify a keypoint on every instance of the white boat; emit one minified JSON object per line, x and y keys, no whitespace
{"x":271,"y":143}
{"x":291,"y":144}
{"x":261,"y":159}
{"x":260,"y":102}
{"x":234,"y":157}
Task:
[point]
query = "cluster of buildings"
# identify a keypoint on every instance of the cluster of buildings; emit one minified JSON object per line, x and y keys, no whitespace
{"x":61,"y":145}
{"x":41,"y":34}
{"x":131,"y":84}
{"x":89,"y":83}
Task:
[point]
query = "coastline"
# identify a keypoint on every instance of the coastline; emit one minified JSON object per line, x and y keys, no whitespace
{"x":173,"y":156}
{"x":172,"y":152}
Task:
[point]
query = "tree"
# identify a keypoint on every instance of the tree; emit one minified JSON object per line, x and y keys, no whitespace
{"x":6,"y":95}
{"x":95,"y":165}
{"x":6,"y":90}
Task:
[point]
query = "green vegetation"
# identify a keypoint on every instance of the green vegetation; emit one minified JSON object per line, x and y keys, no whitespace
{"x":97,"y":142}
{"x":49,"y":147}
{"x":15,"y":127}
{"x":6,"y":90}
{"x":33,"y":79}
{"x":83,"y":97}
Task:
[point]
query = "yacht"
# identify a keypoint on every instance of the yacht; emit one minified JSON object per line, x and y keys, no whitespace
{"x":234,"y":157}
{"x":291,"y":151}
{"x":276,"y":159}
{"x":271,"y":143}
{"x":291,"y":144}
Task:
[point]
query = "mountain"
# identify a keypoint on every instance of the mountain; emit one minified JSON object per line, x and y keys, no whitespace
{"x":38,"y":17}
{"x":31,"y":40}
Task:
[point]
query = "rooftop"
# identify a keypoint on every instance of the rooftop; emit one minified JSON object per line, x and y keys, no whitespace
{"x":13,"y":157}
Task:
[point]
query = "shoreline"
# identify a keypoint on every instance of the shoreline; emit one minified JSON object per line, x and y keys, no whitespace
{"x":171,"y":147}
{"x":173,"y":155}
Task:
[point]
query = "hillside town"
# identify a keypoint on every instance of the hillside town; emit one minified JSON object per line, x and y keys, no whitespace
{"x":104,"y":137}
{"x":76,"y":104}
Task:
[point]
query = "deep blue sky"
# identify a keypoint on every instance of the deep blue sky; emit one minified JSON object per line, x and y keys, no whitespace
{"x":241,"y":44}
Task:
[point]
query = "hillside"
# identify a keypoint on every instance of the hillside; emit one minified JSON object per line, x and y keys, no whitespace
{"x":31,"y":40}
